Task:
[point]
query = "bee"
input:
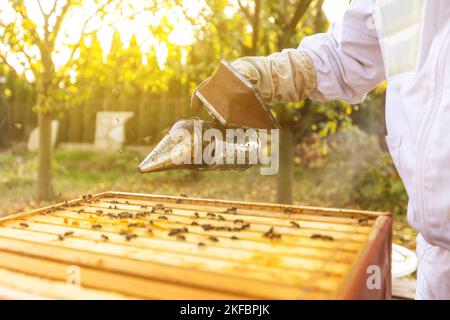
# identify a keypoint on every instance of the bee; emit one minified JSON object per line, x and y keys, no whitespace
{"x":149,"y":230}
{"x":110,"y":207}
{"x":87,"y":197}
{"x":162,"y":218}
{"x":68,"y":234}
{"x":245,"y":226}
{"x":130,"y":236}
{"x":114,"y":201}
{"x":60,"y":237}
{"x":210,"y":214}
{"x":96,"y":226}
{"x":66,"y":203}
{"x":150,"y":222}
{"x":104,"y":237}
{"x":214,"y":239}
{"x":127,"y":202}
{"x":183,"y":195}
{"x":234,"y":238}
{"x":220,"y":217}
{"x":271,"y":234}
{"x":98,"y":212}
{"x":238,"y":221}
{"x":24,"y":225}
{"x":295,"y":224}
{"x":207,"y":227}
{"x":175,"y":232}
{"x":194,"y":223}
{"x":363,"y":221}
{"x":181,"y":238}
{"x":232,"y":210}
{"x":196,"y":215}
{"x":178,"y":200}
{"x":131,"y":225}
{"x":168,"y":210}
{"x":159,"y":206}
{"x":288,"y":210}
{"x":80,"y":210}
{"x":201,"y":244}
{"x":322,"y":237}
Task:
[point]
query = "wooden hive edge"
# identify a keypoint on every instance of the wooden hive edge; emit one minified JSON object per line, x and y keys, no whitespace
{"x":381,"y":234}
{"x":244,"y":204}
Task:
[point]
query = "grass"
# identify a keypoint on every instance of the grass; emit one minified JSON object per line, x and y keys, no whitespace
{"x":82,"y":172}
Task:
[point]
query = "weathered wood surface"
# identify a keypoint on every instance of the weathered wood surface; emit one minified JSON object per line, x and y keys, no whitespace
{"x":131,"y":245}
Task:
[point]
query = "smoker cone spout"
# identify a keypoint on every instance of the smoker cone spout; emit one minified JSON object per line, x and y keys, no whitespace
{"x":164,"y":156}
{"x":184,"y":144}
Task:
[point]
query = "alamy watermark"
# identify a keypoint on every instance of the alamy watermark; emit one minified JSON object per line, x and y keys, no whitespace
{"x":227,"y":147}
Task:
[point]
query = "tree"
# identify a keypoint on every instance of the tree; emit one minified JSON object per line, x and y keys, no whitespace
{"x":29,"y":45}
{"x":261,"y":28}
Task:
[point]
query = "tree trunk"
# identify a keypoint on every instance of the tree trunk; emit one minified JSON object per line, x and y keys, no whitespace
{"x":44,"y":181}
{"x":285,"y":175}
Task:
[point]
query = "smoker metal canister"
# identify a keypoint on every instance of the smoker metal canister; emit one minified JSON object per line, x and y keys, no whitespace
{"x":162,"y":157}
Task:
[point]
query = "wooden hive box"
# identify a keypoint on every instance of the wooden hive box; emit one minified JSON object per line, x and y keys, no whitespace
{"x":124,"y":245}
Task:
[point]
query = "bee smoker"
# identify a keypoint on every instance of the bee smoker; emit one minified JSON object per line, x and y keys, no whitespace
{"x":185,"y":147}
{"x":233,"y":103}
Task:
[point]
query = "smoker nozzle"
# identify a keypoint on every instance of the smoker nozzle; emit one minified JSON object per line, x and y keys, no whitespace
{"x":175,"y":147}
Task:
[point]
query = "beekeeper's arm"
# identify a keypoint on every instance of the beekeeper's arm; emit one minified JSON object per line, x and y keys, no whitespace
{"x":344,"y":63}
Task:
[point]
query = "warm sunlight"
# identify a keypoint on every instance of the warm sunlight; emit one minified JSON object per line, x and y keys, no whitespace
{"x":130,"y":19}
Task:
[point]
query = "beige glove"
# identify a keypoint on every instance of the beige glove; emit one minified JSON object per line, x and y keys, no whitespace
{"x":284,"y":76}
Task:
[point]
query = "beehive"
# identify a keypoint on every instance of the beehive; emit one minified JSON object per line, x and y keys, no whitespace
{"x":150,"y":246}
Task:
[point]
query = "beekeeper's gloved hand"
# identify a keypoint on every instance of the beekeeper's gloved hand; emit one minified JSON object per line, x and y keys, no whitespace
{"x":284,"y":76}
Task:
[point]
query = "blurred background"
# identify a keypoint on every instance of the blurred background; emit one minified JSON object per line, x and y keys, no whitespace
{"x":103,"y":80}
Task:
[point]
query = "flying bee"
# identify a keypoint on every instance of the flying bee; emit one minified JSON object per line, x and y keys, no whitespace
{"x":68,"y":234}
{"x":104,"y":237}
{"x":60,"y":237}
{"x":24,"y":225}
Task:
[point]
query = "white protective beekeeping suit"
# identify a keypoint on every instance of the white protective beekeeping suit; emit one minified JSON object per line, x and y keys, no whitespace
{"x":406,"y":42}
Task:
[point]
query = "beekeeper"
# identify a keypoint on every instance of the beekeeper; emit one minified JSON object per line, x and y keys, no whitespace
{"x":406,"y":42}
